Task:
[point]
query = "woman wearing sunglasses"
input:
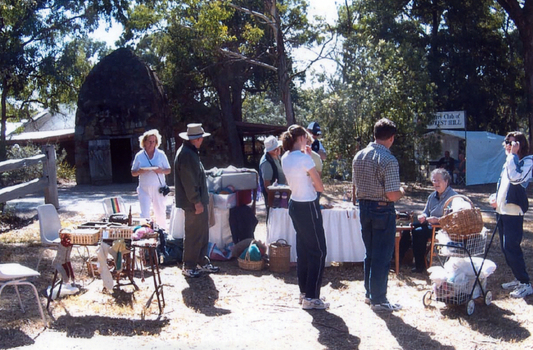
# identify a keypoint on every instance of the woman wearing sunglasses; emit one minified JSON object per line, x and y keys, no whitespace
{"x":511,"y":203}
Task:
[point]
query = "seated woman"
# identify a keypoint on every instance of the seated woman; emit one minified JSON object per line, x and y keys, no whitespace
{"x":434,"y":209}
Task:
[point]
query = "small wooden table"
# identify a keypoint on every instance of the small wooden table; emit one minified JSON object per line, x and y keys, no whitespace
{"x":398,"y":237}
{"x":150,"y":246}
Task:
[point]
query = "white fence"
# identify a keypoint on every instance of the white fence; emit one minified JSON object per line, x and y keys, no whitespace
{"x":48,"y":182}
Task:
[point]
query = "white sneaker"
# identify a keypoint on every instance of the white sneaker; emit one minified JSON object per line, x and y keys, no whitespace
{"x":510,"y":285}
{"x":317,"y":304}
{"x":192,"y":273}
{"x":522,"y":291}
{"x":208,"y":268}
{"x":386,"y":306}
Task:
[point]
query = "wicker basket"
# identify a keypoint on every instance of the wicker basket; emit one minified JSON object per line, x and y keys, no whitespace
{"x":124,"y":232}
{"x":463,"y":222}
{"x":82,"y":236}
{"x":280,"y":256}
{"x":247,"y":264}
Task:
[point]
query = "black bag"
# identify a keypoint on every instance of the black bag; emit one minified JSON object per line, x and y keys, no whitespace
{"x":164,"y":190}
{"x":119,"y":218}
{"x":170,"y":250}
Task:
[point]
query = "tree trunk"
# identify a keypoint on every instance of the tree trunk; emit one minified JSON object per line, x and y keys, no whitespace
{"x":3,"y":120}
{"x":284,"y":80}
{"x":234,"y":139}
{"x":528,"y":63}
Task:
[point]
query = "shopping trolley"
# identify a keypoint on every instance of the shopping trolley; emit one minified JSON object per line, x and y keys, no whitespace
{"x":466,"y":250}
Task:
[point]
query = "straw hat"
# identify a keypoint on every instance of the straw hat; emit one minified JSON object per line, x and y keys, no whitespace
{"x":194,"y":131}
{"x":271,"y":143}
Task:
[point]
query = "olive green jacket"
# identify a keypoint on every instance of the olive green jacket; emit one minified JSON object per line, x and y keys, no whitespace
{"x":189,"y":178}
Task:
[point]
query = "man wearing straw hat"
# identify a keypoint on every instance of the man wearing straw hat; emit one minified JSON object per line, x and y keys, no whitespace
{"x":192,"y":196}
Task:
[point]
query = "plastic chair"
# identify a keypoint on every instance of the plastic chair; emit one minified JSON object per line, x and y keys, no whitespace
{"x":49,"y":225}
{"x":114,"y":205}
{"x":17,"y":275}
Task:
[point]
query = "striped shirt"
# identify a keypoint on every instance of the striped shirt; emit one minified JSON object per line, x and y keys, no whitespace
{"x":375,"y":171}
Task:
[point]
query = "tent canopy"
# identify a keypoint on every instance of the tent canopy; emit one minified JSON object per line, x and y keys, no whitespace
{"x":485,"y":155}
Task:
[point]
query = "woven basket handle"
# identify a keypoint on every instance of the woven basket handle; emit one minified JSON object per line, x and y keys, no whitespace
{"x":281,"y":242}
{"x":459,"y":196}
{"x":64,"y":231}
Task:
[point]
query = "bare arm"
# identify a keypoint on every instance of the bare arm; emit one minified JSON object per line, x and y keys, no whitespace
{"x":396,"y":195}
{"x":317,"y":181}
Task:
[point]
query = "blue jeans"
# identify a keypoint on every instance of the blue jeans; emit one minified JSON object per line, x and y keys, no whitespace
{"x":310,"y":246}
{"x":511,"y":230}
{"x":378,"y":226}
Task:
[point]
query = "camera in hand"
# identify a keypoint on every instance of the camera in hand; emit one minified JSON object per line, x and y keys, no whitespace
{"x":164,"y":190}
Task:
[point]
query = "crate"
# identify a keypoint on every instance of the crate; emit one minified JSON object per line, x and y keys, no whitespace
{"x":124,"y":232}
{"x":83,"y":236}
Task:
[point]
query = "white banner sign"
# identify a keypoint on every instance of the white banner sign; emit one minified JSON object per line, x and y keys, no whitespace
{"x":448,"y":120}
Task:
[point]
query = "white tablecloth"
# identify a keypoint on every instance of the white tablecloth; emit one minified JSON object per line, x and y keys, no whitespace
{"x":341,"y":226}
{"x":220,"y":233}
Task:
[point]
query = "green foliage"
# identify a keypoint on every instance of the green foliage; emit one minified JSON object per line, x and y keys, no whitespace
{"x":40,"y":63}
{"x":258,"y":108}
{"x":23,"y":174}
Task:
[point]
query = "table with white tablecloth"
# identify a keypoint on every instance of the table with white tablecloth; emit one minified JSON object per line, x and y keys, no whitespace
{"x":341,"y":226}
{"x":219,"y":234}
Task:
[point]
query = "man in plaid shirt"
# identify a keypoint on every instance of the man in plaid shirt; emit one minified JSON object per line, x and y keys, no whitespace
{"x":376,"y":182}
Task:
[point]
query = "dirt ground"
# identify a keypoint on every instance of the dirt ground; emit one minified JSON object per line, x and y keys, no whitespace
{"x":239,"y":309}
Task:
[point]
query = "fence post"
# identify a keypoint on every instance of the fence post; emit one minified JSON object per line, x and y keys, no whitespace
{"x":50,"y":171}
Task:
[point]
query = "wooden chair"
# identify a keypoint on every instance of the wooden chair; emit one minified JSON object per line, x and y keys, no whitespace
{"x":402,"y":224}
{"x":432,"y":247}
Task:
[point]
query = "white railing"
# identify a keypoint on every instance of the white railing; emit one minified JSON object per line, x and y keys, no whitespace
{"x":48,"y":182}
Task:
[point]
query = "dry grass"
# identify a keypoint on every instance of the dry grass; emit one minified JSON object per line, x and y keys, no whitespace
{"x":241,"y":309}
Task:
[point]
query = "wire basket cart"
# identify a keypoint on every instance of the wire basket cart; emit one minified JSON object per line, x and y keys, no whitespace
{"x":467,"y":288}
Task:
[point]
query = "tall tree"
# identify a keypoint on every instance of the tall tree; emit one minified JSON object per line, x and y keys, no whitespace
{"x":228,"y":47}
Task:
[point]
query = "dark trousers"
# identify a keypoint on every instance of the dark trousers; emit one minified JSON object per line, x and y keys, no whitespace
{"x":196,"y":238}
{"x":310,"y":246}
{"x":511,"y":230}
{"x":378,"y":227}
{"x":421,"y":234}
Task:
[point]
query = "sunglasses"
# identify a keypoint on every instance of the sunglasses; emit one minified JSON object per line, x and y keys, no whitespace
{"x":507,"y":142}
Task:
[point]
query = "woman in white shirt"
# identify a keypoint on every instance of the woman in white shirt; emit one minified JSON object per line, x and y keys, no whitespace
{"x":304,"y":210}
{"x":151,"y":165}
{"x":511,"y":203}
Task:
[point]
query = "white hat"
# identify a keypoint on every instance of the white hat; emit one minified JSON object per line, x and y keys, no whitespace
{"x":194,"y":131}
{"x":271,"y":143}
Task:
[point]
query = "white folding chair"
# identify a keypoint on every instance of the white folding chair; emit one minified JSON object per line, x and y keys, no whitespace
{"x":114,"y":205}
{"x":49,"y":226}
{"x":17,"y":275}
